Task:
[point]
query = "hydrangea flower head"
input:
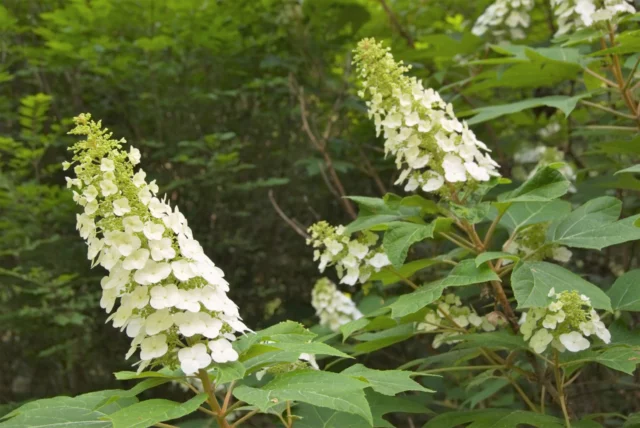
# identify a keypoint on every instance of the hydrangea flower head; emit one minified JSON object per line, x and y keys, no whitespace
{"x":170,"y":297}
{"x":332,"y":306}
{"x":565,"y":323}
{"x":431,"y":147}
{"x":355,"y":258}
{"x":572,"y":15}
{"x":447,"y":315}
{"x":505,"y":19}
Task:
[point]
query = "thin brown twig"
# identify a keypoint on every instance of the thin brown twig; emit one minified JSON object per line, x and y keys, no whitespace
{"x":245,"y":418}
{"x":286,"y":218}
{"x":396,"y":24}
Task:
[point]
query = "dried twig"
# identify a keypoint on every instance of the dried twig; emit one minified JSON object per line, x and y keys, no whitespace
{"x":291,"y":222}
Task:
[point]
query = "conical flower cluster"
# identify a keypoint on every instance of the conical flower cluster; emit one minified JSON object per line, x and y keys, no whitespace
{"x":332,"y":306}
{"x":431,"y":147}
{"x":565,"y":324}
{"x":171,"y":298}
{"x":355,"y":259}
{"x":505,"y":19}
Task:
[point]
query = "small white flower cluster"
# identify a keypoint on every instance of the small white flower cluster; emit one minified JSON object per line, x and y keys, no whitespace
{"x":355,"y":259}
{"x":430,"y":145}
{"x":332,"y":306}
{"x":564,"y":323}
{"x":505,"y":19}
{"x":575,"y":14}
{"x":169,"y":291}
{"x":449,"y":315}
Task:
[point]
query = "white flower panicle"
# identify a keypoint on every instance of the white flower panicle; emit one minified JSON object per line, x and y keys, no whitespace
{"x":431,"y":147}
{"x":332,"y":306}
{"x":505,"y":19}
{"x":565,"y":323}
{"x":172,"y":297}
{"x":448,"y":316}
{"x":355,"y":259}
{"x":572,"y":15}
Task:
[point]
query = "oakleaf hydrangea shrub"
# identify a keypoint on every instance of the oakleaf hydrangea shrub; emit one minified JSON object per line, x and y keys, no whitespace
{"x":475,"y":273}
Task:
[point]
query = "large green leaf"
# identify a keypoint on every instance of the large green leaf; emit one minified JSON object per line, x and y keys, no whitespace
{"x":392,"y":275}
{"x":315,"y":348}
{"x":635,"y":169}
{"x":493,"y":255}
{"x":625,"y":292}
{"x":593,"y":225}
{"x":495,"y":340}
{"x":229,"y":372}
{"x":545,"y":185}
{"x":401,"y":235}
{"x":147,"y":413}
{"x":68,"y":412}
{"x":323,"y":389}
{"x":621,"y":358}
{"x":376,"y":213}
{"x":387,"y":382}
{"x":561,"y":102}
{"x":372,"y":341}
{"x":494,"y":418}
{"x":260,"y":355}
{"x":286,"y":331}
{"x":522,"y":214}
{"x":531,"y":282}
{"x":351,"y":327}
{"x":412,"y":302}
{"x":464,"y":273}
{"x":318,"y":417}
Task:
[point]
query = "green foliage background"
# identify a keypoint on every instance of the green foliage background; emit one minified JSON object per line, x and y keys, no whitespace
{"x":213,"y":93}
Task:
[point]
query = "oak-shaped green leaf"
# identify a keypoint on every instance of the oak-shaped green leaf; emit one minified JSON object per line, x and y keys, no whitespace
{"x":68,"y":412}
{"x":621,"y":358}
{"x":561,"y":102}
{"x":594,"y":225}
{"x":351,"y":327}
{"x":522,"y":214}
{"x":229,"y":372}
{"x":532,"y":281}
{"x":625,"y":292}
{"x":493,"y":255}
{"x":391,"y":275}
{"x":635,"y":169}
{"x":402,"y":235}
{"x":466,"y":273}
{"x":376,"y":213}
{"x":494,"y":418}
{"x":316,"y":348}
{"x":501,"y":339}
{"x":545,"y":185}
{"x":387,"y":382}
{"x":147,"y":413}
{"x":412,"y":302}
{"x":318,"y":417}
{"x":323,"y":389}
{"x":372,"y":341}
